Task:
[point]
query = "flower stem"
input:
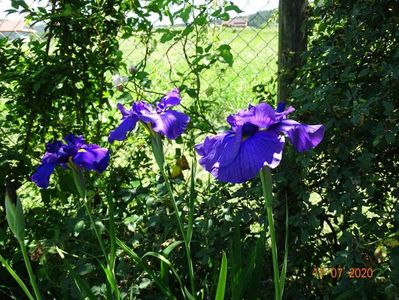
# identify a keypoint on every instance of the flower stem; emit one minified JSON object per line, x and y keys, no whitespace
{"x":29,"y":268}
{"x":110,"y":263}
{"x":160,"y":159}
{"x":110,"y":260}
{"x":112,"y":255}
{"x":180,"y":224}
{"x":93,"y":224}
{"x":266,"y":179}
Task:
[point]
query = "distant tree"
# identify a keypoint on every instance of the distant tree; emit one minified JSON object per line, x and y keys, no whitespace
{"x":260,"y":18}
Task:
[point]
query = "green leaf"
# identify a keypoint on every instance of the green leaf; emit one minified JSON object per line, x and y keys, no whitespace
{"x":222,"y":279}
{"x":224,"y":16}
{"x":285,"y":260}
{"x":78,"y":228}
{"x":139,"y":261}
{"x":225,"y":53}
{"x":167,"y":36}
{"x":236,"y":266}
{"x":233,"y":8}
{"x":164,"y":267}
{"x":170,"y":265}
{"x":192,"y":198}
{"x":82,"y":284}
{"x":364,"y":72}
{"x":17,"y":278}
{"x":185,"y":13}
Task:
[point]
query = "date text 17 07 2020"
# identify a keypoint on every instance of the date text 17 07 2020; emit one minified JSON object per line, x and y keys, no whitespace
{"x":338,"y":272}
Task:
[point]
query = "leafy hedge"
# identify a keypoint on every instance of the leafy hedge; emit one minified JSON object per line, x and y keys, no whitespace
{"x":350,"y":83}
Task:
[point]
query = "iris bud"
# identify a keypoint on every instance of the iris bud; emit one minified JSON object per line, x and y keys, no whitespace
{"x":14,"y":213}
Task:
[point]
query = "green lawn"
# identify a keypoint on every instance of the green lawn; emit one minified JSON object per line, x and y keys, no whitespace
{"x":229,"y":88}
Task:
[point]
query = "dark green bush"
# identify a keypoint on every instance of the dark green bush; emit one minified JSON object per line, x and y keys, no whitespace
{"x":350,"y":83}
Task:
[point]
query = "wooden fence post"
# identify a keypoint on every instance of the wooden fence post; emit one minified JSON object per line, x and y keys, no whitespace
{"x":291,"y":42}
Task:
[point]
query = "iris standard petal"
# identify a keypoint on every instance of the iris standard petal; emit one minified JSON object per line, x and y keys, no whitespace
{"x":171,"y":99}
{"x":261,"y":115}
{"x":280,"y":107}
{"x":170,"y":123}
{"x":143,"y":108}
{"x":282,"y":115}
{"x":74,"y":140}
{"x":42,"y":175}
{"x":263,"y":148}
{"x":92,"y":157}
{"x":303,"y":137}
{"x":121,"y":131}
{"x":54,"y":147}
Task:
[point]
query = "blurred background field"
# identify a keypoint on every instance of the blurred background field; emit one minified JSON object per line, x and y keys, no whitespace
{"x":229,"y":88}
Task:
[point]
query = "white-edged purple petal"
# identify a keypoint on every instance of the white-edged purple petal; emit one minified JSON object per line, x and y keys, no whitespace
{"x":143,"y":108}
{"x":282,"y":115}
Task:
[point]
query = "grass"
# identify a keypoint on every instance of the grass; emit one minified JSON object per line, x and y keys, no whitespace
{"x":227,"y":88}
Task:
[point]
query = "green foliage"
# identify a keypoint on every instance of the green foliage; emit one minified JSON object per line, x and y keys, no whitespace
{"x":56,"y":85}
{"x":61,"y":84}
{"x":349,"y":82}
{"x":343,"y":202}
{"x":15,"y":217}
{"x":222,"y":279}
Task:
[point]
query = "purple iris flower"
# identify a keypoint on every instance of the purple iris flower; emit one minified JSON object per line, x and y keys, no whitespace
{"x":256,"y":139}
{"x":76,"y":151}
{"x":160,"y":118}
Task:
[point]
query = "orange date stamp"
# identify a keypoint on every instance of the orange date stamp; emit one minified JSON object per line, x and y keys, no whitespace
{"x":339,"y":272}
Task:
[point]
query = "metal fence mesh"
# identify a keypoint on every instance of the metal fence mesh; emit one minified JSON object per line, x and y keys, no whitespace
{"x":251,"y":34}
{"x":253,"y":45}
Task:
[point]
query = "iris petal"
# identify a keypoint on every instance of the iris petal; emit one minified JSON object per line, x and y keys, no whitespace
{"x":263,"y":148}
{"x":42,"y":175}
{"x":218,"y":150}
{"x":171,"y":99}
{"x":125,"y":112}
{"x":303,"y":137}
{"x":53,"y":147}
{"x":261,"y":115}
{"x":143,"y":108}
{"x":74,"y":140}
{"x":170,"y":123}
{"x":92,"y":157}
{"x":230,"y":159}
{"x":121,"y":131}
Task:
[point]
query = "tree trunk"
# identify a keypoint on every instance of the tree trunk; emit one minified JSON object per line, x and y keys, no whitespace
{"x":292,"y":42}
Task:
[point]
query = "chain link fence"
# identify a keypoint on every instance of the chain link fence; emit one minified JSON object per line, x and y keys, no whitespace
{"x":251,"y":34}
